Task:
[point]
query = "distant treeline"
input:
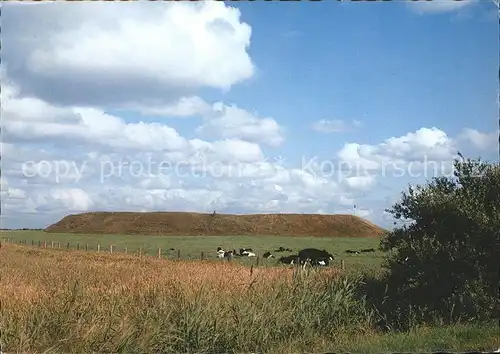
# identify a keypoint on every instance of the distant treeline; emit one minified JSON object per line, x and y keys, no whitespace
{"x":23,"y":229}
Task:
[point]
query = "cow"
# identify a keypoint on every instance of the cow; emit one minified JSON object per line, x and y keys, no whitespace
{"x":235,"y":254}
{"x":283,"y":249}
{"x":220,"y":252}
{"x":228,"y":254}
{"x":293,"y":259}
{"x":225,"y":254}
{"x":268,"y":255}
{"x":247,"y":252}
{"x":315,"y":257}
{"x":313,"y":253}
{"x":320,"y":262}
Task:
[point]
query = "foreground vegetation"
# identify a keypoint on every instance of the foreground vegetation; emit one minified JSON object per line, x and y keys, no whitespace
{"x":58,"y":301}
{"x":444,"y":263}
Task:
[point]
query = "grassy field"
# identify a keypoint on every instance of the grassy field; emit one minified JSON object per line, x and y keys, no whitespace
{"x":191,"y":247}
{"x":56,"y":301}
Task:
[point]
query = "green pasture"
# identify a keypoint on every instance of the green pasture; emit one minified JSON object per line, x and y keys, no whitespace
{"x":191,"y":247}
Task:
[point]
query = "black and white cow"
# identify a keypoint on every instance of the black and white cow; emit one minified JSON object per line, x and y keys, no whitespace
{"x":283,"y":249}
{"x":315,"y":257}
{"x":322,"y":262}
{"x":247,"y":252}
{"x":225,"y":254}
{"x":268,"y":255}
{"x":220,"y":252}
{"x":293,"y":259}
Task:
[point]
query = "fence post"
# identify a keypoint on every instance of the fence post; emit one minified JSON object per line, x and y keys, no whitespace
{"x":86,"y":247}
{"x":159,"y":252}
{"x":202,"y":256}
{"x":257,"y":261}
{"x":111,"y":248}
{"x":32,"y":242}
{"x":178,"y":254}
{"x":58,"y":244}
{"x":140,"y":251}
{"x":44,"y":244}
{"x":126,"y":249}
{"x":77,"y":246}
{"x":342,"y":265}
{"x":67,"y":246}
{"x":39,"y":243}
{"x":251,"y":270}
{"x":51,"y":244}
{"x":98,"y":247}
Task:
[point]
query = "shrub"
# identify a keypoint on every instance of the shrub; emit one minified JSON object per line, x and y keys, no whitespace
{"x":443,"y":265}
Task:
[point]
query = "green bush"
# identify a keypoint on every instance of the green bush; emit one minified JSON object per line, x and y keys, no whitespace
{"x":443,"y":263}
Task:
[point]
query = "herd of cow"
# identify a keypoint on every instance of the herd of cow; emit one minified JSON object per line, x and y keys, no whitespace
{"x":312,"y":256}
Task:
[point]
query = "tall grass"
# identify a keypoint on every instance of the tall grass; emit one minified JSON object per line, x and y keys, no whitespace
{"x":72,"y":301}
{"x":57,"y":301}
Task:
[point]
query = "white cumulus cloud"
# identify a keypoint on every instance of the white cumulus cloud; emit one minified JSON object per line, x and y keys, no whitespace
{"x":148,"y":53}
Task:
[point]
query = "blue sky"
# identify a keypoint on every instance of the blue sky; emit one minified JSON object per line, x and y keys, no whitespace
{"x":364,"y":84}
{"x":376,"y":62}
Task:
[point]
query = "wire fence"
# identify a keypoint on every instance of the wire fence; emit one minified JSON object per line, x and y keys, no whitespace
{"x":99,"y":248}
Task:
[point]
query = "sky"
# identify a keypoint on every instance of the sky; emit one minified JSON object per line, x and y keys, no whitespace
{"x":245,"y":107}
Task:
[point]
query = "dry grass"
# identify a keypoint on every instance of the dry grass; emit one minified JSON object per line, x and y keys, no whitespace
{"x":118,"y":273}
{"x":78,"y":295}
{"x":71,"y":301}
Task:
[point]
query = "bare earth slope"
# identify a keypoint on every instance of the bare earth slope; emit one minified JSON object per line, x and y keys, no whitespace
{"x":194,"y":224}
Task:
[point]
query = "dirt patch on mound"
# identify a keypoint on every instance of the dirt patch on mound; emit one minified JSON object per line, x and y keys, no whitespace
{"x":197,"y":224}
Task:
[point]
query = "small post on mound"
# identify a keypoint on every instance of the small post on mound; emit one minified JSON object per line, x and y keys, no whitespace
{"x":159,"y":252}
{"x":67,"y":245}
{"x":110,"y":248}
{"x":126,"y":250}
{"x":98,"y":247}
{"x":342,"y":265}
{"x":202,"y":256}
{"x":178,"y":254}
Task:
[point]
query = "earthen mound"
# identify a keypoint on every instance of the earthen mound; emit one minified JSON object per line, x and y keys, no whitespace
{"x":197,"y":224}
